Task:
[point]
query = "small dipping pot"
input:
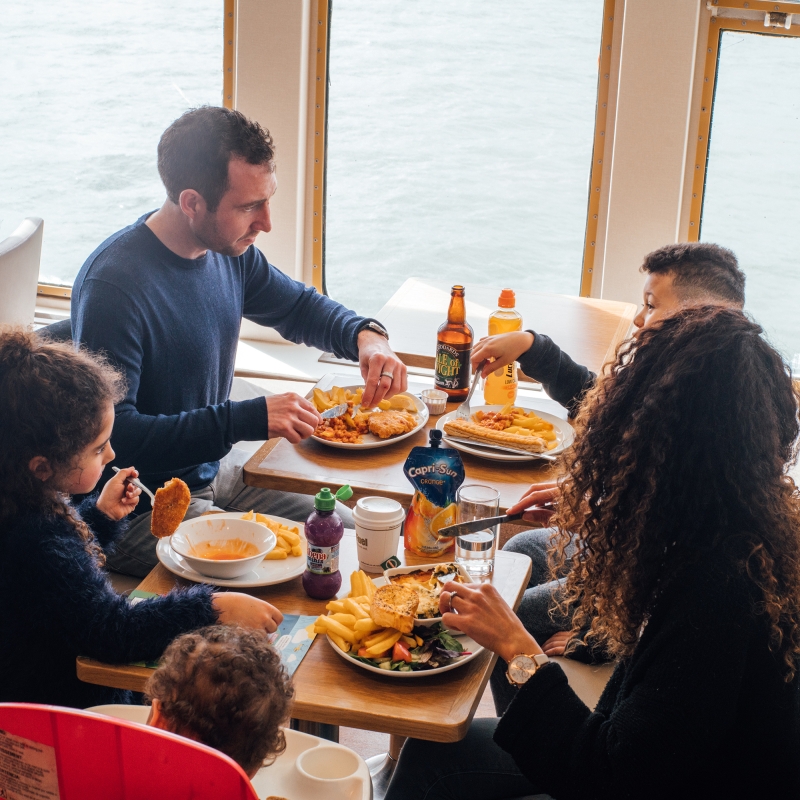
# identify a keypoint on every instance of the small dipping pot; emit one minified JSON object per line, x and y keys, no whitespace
{"x":435,"y":400}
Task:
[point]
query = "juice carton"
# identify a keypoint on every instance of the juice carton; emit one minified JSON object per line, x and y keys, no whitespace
{"x":436,"y":473}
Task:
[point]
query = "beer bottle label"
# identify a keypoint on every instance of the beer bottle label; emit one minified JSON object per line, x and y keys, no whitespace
{"x":452,"y":367}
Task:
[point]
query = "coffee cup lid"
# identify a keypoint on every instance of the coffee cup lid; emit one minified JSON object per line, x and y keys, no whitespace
{"x":378,"y":511}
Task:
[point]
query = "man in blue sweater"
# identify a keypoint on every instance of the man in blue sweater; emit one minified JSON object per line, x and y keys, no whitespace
{"x":164,"y":300}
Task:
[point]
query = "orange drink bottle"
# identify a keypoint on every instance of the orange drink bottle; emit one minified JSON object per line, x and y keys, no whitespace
{"x":500,"y":386}
{"x":453,"y":349}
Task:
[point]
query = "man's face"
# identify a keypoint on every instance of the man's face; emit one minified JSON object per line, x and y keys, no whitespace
{"x":660,"y":300}
{"x":242,"y":213}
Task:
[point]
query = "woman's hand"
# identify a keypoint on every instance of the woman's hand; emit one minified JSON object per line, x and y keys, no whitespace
{"x":236,"y":608}
{"x":497,"y":351}
{"x":487,"y":618}
{"x":118,"y":497}
{"x":537,"y":495}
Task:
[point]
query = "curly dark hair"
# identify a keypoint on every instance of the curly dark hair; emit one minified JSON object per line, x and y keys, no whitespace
{"x":682,"y":450}
{"x":195,"y":150}
{"x":52,"y":401}
{"x":700,"y":270}
{"x":225,"y":686}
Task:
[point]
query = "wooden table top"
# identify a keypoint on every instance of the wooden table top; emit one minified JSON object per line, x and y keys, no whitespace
{"x":586,"y":328}
{"x":329,"y":690}
{"x":309,"y":465}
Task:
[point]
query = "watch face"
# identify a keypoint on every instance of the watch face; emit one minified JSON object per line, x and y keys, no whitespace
{"x":521,"y":668}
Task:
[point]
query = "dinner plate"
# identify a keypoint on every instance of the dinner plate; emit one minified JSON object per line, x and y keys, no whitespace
{"x":267,"y":573}
{"x":368,"y":440}
{"x":470,"y":645}
{"x":564,"y":436}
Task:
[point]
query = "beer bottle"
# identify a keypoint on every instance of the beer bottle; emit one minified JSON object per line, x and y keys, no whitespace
{"x":453,"y":349}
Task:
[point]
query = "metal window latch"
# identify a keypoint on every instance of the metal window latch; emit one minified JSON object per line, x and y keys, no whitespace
{"x":777,"y":19}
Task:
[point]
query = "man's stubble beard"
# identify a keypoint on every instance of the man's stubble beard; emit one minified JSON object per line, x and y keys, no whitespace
{"x":208,"y":235}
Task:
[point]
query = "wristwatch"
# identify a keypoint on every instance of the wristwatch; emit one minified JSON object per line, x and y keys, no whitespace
{"x":376,"y":328}
{"x":522,"y":667}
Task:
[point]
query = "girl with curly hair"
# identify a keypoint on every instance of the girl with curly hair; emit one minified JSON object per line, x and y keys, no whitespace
{"x":56,"y":416}
{"x":686,"y":567}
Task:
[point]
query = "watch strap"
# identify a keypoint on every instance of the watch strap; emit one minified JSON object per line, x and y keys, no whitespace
{"x":375,"y":327}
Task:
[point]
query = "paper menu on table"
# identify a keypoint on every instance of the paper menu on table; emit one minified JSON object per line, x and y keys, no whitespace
{"x":292,"y":639}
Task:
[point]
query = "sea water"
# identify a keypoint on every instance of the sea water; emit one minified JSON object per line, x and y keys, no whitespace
{"x":459,"y":139}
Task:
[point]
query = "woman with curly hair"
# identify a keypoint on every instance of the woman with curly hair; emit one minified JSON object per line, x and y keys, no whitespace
{"x":686,"y":568}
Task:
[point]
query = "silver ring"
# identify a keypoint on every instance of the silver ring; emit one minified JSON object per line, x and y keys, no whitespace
{"x":387,"y":375}
{"x":450,"y":601}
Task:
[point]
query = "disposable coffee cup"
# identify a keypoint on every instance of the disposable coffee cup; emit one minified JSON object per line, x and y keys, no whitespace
{"x":379,"y":522}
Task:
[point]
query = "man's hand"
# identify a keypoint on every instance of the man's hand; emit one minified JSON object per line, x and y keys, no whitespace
{"x":499,"y":350}
{"x":291,"y":416}
{"x":119,"y":498}
{"x":383,"y":372}
{"x":537,"y":495}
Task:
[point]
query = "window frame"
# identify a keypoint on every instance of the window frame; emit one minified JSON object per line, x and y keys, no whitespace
{"x":745,"y":16}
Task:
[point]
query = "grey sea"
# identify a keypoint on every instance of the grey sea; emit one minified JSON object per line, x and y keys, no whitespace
{"x":459,"y":139}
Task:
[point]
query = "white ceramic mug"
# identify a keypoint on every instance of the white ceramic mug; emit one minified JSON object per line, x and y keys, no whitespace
{"x":329,"y":772}
{"x":379,"y":522}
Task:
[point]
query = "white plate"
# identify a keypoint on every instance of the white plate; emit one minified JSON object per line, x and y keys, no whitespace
{"x":564,"y":436}
{"x":368,"y":440}
{"x":470,"y":645}
{"x":266,"y":573}
{"x":280,"y":778}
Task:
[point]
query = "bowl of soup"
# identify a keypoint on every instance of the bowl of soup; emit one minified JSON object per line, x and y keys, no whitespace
{"x":222,"y":548}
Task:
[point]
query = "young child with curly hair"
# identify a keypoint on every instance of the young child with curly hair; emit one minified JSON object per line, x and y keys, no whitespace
{"x":56,"y":416}
{"x":224,"y":686}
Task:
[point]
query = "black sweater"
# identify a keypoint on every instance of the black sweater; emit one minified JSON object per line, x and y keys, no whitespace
{"x":564,"y":380}
{"x":699,"y":710}
{"x":58,"y":604}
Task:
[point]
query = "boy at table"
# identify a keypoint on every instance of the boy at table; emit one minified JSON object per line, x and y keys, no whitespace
{"x":164,"y":299}
{"x":678,"y":276}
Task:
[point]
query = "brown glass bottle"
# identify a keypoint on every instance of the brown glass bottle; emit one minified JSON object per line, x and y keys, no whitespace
{"x":453,"y":349}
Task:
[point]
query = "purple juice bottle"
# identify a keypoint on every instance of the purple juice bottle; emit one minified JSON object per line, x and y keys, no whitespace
{"x":324,"y":530}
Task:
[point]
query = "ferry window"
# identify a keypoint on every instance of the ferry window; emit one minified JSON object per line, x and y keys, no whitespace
{"x":459,"y":145}
{"x":87,"y":90}
{"x":752,"y":192}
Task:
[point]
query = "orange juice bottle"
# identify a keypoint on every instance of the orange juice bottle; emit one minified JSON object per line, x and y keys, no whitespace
{"x":500,"y":386}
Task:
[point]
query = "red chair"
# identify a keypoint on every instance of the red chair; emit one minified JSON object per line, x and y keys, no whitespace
{"x":101,"y":758}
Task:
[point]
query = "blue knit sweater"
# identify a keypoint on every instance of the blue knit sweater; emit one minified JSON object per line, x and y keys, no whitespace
{"x":58,"y":604}
{"x":172,"y":325}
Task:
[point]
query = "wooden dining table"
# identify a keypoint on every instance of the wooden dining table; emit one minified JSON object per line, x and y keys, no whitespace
{"x":306,"y":467}
{"x":329,"y":689}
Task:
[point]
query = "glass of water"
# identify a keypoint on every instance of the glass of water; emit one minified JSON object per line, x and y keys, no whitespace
{"x":475,"y":551}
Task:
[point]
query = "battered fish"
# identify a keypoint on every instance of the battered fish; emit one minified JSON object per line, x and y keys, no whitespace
{"x":391,"y":423}
{"x":169,"y":508}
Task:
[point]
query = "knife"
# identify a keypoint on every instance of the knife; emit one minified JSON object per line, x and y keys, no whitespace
{"x":477,"y":525}
{"x":502,"y":448}
{"x":336,"y":411}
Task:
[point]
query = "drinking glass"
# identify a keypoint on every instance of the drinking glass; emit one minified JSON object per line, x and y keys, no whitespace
{"x":475,"y":551}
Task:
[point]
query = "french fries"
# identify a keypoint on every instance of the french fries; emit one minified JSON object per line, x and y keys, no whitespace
{"x":289,"y":541}
{"x":350,"y":627}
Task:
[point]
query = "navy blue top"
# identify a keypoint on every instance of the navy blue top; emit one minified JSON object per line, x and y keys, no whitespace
{"x":562,"y":378}
{"x":172,"y":325}
{"x":58,"y":604}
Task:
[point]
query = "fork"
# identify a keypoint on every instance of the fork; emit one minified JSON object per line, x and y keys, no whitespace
{"x":139,"y":484}
{"x":462,"y":412}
